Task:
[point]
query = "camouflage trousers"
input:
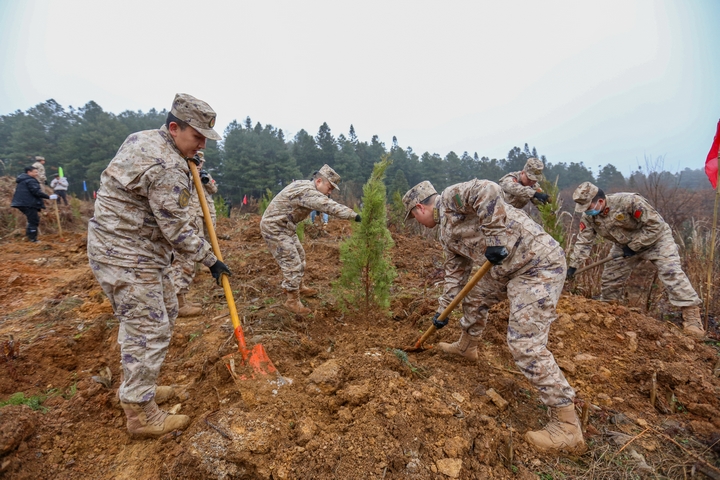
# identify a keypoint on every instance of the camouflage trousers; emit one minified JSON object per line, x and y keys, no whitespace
{"x":183,"y":273}
{"x":664,"y":255}
{"x":145,"y":304}
{"x":290,"y":256}
{"x":533,"y":294}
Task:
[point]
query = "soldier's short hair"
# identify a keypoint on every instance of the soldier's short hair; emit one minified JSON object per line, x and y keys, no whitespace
{"x":172,"y":118}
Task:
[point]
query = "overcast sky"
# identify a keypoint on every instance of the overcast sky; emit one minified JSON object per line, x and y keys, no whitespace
{"x":598,"y":82}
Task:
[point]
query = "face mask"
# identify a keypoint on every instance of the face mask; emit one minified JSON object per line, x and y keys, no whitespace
{"x":592,"y":213}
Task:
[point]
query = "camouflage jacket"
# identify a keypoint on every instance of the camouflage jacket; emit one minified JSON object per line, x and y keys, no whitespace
{"x":293,"y":205}
{"x":473,"y":216}
{"x":195,"y":208}
{"x":141,"y":211}
{"x":517,"y":194}
{"x":41,"y":173}
{"x":628,"y":220}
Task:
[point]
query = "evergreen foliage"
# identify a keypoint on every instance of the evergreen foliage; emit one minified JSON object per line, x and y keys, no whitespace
{"x":550,"y":212}
{"x":367,"y":271}
{"x":253,"y":157}
{"x":265,"y":201}
{"x":221,"y":208}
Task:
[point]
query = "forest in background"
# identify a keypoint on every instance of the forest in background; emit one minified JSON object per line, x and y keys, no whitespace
{"x":252,"y":157}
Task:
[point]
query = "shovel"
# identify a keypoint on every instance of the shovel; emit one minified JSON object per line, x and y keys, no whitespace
{"x":599,"y":262}
{"x":419,"y":345}
{"x":256,"y":358}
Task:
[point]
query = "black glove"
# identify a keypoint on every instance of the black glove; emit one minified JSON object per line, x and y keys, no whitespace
{"x":627,"y":251}
{"x":357,"y":218}
{"x":571,"y":273}
{"x":204,"y":177}
{"x":496,"y":255}
{"x":439,"y":323}
{"x":218,"y":269}
{"x":196,"y":160}
{"x":541,"y":197}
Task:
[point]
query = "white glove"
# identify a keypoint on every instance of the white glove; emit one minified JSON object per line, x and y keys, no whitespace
{"x":53,"y":197}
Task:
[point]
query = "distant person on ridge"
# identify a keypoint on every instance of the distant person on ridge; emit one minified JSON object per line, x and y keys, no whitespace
{"x":528,"y":269}
{"x":638,"y":232}
{"x":521,"y":187}
{"x":278,"y":228}
{"x":28,"y":198}
{"x":60,"y":185}
{"x":40,"y":165}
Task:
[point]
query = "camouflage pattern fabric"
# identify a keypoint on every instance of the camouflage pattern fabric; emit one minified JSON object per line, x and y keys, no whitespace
{"x":630,"y":220}
{"x":517,"y":194}
{"x":141,"y":211}
{"x":184,"y":268}
{"x":42,"y":178}
{"x":664,"y":255}
{"x":473,"y":216}
{"x":145,"y":304}
{"x":279,"y":222}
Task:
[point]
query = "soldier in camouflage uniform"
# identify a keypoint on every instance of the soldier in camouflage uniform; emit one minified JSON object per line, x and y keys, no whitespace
{"x":279,"y":222}
{"x":529,"y":270}
{"x":521,"y":187}
{"x":42,"y":176}
{"x":638,"y":232}
{"x":141,"y":216}
{"x":183,"y":268}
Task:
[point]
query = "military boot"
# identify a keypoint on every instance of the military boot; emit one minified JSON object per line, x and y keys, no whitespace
{"x":148,"y":420}
{"x":563,"y":432}
{"x":294,"y":304}
{"x":466,"y":346}
{"x":185,"y":309}
{"x":692,"y":325}
{"x":307,"y":291}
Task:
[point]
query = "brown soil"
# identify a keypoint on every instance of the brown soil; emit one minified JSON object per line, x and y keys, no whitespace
{"x":356,"y":408}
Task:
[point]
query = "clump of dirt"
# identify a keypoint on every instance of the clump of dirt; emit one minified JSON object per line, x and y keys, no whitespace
{"x":349,"y":403}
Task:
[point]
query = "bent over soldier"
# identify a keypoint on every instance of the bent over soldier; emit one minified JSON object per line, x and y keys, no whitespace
{"x":528,"y":269}
{"x":279,"y":222}
{"x":521,"y":187}
{"x":141,"y":217}
{"x":638,"y":232}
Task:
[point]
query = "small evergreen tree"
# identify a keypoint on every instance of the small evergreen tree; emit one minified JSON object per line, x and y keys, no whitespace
{"x":550,"y":215}
{"x":367,"y":270}
{"x":221,"y":208}
{"x":265,"y":201}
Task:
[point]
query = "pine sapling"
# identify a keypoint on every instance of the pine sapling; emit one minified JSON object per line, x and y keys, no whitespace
{"x":367,"y":271}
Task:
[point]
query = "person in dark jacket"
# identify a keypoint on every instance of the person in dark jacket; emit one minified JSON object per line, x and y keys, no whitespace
{"x":28,"y":199}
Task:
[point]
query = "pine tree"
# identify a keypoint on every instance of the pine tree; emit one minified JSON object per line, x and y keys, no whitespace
{"x":367,"y":270}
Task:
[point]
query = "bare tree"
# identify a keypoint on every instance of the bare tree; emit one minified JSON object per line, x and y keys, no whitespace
{"x":663,"y":190}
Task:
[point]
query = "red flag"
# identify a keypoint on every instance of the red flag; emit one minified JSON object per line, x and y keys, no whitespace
{"x":245,"y":198}
{"x":711,"y":163}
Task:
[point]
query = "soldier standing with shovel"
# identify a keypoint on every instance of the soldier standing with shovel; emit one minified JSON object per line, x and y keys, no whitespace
{"x":141,"y":216}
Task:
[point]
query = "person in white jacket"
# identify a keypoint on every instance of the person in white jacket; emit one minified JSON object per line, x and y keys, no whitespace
{"x":60,"y":185}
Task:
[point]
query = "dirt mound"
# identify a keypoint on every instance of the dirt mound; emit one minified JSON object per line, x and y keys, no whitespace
{"x":349,"y":404}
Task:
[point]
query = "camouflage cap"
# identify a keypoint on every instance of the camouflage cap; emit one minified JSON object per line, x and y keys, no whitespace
{"x":330,"y":175}
{"x":196,"y":113}
{"x":419,"y":193}
{"x":583,"y":196}
{"x":38,"y":158}
{"x":534,"y":169}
